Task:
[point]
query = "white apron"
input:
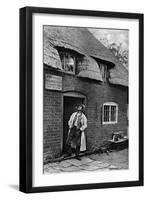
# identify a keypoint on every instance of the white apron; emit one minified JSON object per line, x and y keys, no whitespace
{"x":83,"y":127}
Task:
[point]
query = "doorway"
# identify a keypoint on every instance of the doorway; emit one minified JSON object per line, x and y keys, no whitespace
{"x":69,"y":104}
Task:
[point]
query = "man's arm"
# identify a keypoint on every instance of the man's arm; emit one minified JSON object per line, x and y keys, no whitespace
{"x":84,"y":126}
{"x":70,"y":122}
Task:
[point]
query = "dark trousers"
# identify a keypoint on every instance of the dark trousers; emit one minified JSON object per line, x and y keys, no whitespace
{"x":73,"y":141}
{"x":69,"y":150}
{"x":77,"y":151}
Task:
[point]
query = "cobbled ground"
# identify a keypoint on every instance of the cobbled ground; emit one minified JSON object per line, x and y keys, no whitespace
{"x":116,"y":160}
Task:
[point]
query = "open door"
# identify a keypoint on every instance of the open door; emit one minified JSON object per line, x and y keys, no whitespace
{"x":68,"y":108}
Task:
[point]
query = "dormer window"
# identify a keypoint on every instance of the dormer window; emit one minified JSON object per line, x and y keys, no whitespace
{"x":104,"y":71}
{"x":68,"y":61}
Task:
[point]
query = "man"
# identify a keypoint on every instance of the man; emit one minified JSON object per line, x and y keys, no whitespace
{"x":76,"y":136}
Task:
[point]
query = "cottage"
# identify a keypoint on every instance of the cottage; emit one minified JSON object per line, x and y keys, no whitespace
{"x":79,"y":69}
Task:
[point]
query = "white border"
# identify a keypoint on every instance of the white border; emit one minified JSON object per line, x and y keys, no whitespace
{"x":40,"y":179}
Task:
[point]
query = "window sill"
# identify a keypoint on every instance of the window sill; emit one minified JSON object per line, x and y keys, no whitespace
{"x":109,"y":123}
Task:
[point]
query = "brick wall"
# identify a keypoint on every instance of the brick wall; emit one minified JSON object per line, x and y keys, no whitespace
{"x":52,"y":123}
{"x":96,"y":94}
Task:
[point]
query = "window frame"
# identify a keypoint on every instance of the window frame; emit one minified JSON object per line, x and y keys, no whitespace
{"x":110,"y":104}
{"x":63,"y":62}
{"x":104,"y":70}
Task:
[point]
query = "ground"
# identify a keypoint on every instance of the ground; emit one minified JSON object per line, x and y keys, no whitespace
{"x":114,"y":161}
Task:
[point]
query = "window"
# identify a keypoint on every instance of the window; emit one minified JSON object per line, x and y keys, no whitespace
{"x":110,"y":113}
{"x":104,"y":71}
{"x":68,"y":61}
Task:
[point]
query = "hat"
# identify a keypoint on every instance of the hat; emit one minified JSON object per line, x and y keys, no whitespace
{"x":81,"y":105}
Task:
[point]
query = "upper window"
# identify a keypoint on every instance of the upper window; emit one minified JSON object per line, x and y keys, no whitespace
{"x":110,"y":113}
{"x":104,"y":71}
{"x":68,"y":61}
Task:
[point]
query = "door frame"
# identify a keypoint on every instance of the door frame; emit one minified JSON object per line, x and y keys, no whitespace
{"x":70,"y":94}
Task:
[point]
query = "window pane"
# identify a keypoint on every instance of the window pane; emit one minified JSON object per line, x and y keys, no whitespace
{"x":113,"y":113}
{"x":106,"y":113}
{"x":103,"y":70}
{"x":69,"y":64}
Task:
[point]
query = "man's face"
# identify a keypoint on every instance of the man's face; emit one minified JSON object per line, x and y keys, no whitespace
{"x":79,"y":108}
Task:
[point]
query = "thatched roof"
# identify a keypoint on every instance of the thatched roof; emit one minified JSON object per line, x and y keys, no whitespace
{"x":119,"y":75}
{"x":83,"y":42}
{"x":50,"y":55}
{"x":89,"y":68}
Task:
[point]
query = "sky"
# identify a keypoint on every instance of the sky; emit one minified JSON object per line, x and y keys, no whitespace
{"x":109,"y":36}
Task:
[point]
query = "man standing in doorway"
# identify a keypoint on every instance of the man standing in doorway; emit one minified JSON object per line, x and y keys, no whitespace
{"x":76,"y":136}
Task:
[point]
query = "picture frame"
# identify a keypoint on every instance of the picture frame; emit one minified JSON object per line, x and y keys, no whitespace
{"x":27,"y":97}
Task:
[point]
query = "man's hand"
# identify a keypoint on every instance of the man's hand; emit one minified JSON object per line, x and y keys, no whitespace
{"x":81,"y":129}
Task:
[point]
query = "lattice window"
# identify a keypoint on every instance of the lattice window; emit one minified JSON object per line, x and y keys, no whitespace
{"x":110,"y":113}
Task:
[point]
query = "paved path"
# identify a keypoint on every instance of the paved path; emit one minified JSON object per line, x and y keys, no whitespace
{"x":114,"y":161}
